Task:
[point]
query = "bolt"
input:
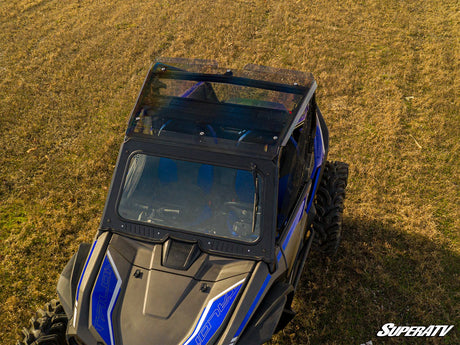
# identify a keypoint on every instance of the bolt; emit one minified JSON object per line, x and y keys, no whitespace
{"x":204,"y":287}
{"x":138,"y":274}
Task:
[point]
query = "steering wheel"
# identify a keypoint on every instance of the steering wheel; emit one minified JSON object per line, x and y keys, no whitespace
{"x":240,"y":224}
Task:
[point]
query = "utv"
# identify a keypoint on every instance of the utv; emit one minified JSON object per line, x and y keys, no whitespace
{"x":220,"y":188}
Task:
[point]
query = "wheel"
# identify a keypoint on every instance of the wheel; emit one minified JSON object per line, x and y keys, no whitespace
{"x":47,"y":327}
{"x":329,"y":208}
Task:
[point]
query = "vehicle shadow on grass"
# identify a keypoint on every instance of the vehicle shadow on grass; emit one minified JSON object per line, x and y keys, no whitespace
{"x":379,"y":275}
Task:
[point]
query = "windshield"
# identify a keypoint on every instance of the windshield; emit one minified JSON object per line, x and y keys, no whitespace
{"x":194,"y":197}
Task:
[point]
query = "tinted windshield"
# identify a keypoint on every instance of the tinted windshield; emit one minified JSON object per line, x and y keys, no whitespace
{"x":200,"y":198}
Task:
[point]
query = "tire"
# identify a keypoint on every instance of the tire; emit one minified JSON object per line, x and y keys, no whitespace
{"x":47,"y":327}
{"x":329,"y":204}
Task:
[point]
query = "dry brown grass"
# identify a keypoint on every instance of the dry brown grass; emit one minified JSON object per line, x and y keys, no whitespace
{"x":388,"y":74}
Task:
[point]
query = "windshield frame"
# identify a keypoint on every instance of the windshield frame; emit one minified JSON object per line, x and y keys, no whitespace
{"x":263,"y":248}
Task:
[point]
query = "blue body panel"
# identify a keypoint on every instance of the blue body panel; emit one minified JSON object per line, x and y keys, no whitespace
{"x":320,"y":151}
{"x":213,"y":316}
{"x":103,"y":299}
{"x":253,"y":306}
{"x":84,"y":270}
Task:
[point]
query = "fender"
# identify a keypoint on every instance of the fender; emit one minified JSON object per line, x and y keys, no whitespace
{"x":270,"y":313}
{"x":68,"y":281}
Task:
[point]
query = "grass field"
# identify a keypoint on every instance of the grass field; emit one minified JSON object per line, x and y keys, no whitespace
{"x":389,"y":80}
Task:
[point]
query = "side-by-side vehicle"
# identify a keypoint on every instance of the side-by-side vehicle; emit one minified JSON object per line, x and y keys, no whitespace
{"x":220,"y":189}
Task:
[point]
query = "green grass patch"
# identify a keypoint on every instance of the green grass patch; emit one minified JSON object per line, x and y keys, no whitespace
{"x":12,"y":219}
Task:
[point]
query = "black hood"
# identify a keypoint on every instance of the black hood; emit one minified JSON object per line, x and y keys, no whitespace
{"x":136,"y":299}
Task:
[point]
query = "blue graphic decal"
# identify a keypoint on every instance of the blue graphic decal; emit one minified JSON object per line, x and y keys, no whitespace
{"x":304,"y":115}
{"x":213,"y":316}
{"x":310,"y":201}
{"x":193,"y":88}
{"x":252,"y":307}
{"x":103,"y":299}
{"x":320,"y":151}
{"x":280,"y":254}
{"x":296,"y":221}
{"x":84,"y":269}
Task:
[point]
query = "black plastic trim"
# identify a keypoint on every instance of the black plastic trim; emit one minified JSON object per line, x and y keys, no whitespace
{"x":68,"y":281}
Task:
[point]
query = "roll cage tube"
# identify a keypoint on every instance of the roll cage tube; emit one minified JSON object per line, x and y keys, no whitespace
{"x":256,"y":198}
{"x":228,"y":79}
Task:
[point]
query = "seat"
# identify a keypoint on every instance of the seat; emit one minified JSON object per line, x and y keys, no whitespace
{"x":244,"y":186}
{"x":205,"y":181}
{"x":167,"y":171}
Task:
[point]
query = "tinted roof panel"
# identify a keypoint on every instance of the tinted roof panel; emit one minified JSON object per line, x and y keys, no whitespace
{"x":220,"y":105}
{"x":251,"y":71}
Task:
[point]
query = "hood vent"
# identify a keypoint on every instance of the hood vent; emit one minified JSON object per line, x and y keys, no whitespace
{"x":179,"y":255}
